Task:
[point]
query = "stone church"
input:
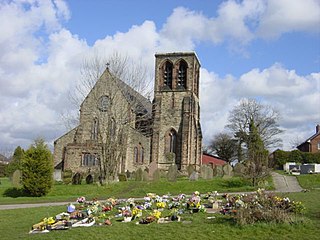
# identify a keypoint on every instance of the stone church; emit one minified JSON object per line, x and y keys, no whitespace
{"x":120,"y":130}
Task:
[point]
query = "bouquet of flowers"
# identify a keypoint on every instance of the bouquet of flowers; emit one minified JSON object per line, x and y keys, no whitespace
{"x":81,"y":199}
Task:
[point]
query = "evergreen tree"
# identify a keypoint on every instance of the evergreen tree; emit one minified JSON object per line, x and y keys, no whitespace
{"x":15,"y":163}
{"x":257,"y":162}
{"x":37,"y":169}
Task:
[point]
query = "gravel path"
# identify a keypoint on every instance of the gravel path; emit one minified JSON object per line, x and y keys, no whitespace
{"x":282,"y":183}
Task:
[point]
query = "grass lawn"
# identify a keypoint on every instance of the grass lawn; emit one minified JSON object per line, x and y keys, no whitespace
{"x":309,"y":181}
{"x":125,"y":189}
{"x":15,"y":224}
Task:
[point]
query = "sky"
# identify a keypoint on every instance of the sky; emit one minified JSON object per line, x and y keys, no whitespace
{"x":268,"y":50}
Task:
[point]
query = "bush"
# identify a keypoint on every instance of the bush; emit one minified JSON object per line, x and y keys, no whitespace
{"x":281,"y":157}
{"x":67,"y":176}
{"x":236,"y":182}
{"x":37,"y":169}
{"x":262,"y":207}
{"x":122,"y":177}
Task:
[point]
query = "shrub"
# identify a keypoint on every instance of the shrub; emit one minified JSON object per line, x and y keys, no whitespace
{"x":37,"y":169}
{"x":67,"y":176}
{"x":235,"y":182}
{"x":262,"y":207}
{"x":122,"y":177}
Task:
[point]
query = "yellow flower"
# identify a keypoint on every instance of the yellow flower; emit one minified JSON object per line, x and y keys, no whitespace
{"x":161,"y":204}
{"x":156,"y":214}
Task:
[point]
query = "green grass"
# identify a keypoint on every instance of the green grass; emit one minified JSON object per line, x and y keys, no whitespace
{"x":61,"y":192}
{"x":309,"y":181}
{"x":15,"y":224}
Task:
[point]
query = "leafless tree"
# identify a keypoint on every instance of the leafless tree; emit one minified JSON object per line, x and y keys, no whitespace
{"x":265,"y":118}
{"x":224,"y":145}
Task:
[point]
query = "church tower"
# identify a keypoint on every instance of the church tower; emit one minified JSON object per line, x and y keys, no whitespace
{"x":177,"y":136}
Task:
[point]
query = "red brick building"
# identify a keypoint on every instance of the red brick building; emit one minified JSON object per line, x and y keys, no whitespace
{"x":209,"y":159}
{"x":312,"y":144}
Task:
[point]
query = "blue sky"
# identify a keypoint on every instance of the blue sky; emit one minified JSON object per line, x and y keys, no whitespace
{"x":263,"y":49}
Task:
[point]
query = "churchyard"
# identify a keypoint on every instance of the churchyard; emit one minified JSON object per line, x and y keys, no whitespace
{"x":199,"y":225}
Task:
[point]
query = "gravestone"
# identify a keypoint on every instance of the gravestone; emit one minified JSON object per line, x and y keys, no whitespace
{"x":145,"y":175}
{"x":239,"y":169}
{"x":219,"y":171}
{"x":194,"y":176}
{"x":133,"y":175}
{"x":190,"y":170}
{"x":172,"y":173}
{"x":139,"y":175}
{"x":153,"y":166}
{"x":209,"y":173}
{"x":227,"y":170}
{"x":16,"y":179}
{"x":214,"y":170}
{"x":203,"y":171}
{"x":206,"y":172}
{"x":156,"y":175}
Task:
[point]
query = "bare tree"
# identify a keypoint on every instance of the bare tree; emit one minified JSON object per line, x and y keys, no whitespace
{"x":224,"y":146}
{"x":114,"y":87}
{"x":264,"y":117}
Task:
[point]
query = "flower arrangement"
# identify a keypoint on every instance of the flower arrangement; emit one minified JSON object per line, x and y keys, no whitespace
{"x":81,"y":199}
{"x":161,"y":205}
{"x":194,"y":201}
{"x":261,"y":206}
{"x":137,"y":212}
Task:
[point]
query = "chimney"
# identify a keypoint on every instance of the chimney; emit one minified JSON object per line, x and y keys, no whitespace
{"x":318,"y":128}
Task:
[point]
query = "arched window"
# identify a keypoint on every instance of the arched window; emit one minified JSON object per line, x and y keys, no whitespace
{"x":142,"y":155}
{"x":167,"y":74}
{"x":94,"y":132}
{"x":182,"y":74}
{"x":135,"y":155}
{"x":171,"y":141}
{"x":112,"y":128}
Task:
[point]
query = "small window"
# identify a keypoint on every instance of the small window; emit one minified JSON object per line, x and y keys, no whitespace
{"x":112,"y":128}
{"x":94,"y":132}
{"x":136,"y":155}
{"x":167,"y":78}
{"x":318,"y":145}
{"x":142,"y":155}
{"x":89,"y":160}
{"x":171,"y":140}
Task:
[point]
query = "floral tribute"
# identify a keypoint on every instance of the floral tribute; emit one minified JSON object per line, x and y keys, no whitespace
{"x":261,"y":206}
{"x":153,"y":208}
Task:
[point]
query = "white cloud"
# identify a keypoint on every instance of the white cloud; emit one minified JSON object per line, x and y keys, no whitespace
{"x":283,"y":16}
{"x":296,"y":98}
{"x":40,"y":62}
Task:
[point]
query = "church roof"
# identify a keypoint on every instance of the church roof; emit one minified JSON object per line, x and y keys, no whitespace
{"x":141,"y":105}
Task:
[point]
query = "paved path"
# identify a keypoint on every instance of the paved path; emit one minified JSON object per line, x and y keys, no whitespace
{"x":32,"y":205}
{"x":282,"y":183}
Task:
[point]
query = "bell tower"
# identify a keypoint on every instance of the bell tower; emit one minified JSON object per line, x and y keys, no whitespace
{"x":177,"y":136}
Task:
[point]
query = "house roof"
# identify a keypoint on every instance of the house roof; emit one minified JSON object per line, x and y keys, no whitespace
{"x":312,"y":137}
{"x":207,"y":159}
